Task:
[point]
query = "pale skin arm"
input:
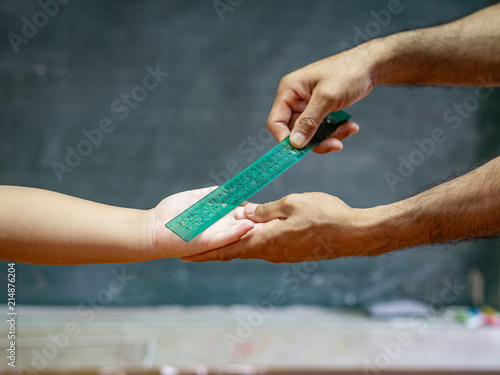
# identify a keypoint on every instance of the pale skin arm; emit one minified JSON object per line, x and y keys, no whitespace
{"x":464,"y":52}
{"x":314,"y":226}
{"x":43,"y":227}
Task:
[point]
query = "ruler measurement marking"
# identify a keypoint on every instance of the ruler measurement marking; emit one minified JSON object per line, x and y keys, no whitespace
{"x":218,"y":203}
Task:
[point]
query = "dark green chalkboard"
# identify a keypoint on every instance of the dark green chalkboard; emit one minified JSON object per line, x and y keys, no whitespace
{"x":217,"y":72}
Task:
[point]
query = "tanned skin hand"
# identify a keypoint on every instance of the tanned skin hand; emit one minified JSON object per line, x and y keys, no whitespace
{"x":464,"y":52}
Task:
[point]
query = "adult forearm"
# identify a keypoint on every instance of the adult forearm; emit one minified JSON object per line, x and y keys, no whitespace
{"x":466,"y":207}
{"x":464,"y":52}
{"x":44,"y":227}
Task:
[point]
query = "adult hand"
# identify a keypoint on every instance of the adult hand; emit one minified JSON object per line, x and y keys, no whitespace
{"x":166,"y":243}
{"x":307,"y":95}
{"x":300,"y":227}
{"x":463,"y":52}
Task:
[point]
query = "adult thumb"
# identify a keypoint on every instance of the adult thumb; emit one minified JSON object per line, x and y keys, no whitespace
{"x":262,"y":213}
{"x":309,"y":121}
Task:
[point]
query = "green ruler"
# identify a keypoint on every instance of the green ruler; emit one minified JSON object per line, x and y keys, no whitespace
{"x":194,"y":220}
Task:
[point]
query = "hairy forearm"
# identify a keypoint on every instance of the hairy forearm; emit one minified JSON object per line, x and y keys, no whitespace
{"x":464,"y":52}
{"x":466,"y":207}
{"x":44,"y":227}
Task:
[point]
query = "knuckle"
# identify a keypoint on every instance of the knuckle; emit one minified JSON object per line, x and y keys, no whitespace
{"x":323,"y":94}
{"x":288,"y":202}
{"x":261,"y":210}
{"x":286,"y":79}
{"x":327,"y":95}
{"x":270,"y":125}
{"x":308,"y":123}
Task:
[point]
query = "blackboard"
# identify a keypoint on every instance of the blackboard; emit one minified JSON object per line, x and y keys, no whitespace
{"x":218,"y":68}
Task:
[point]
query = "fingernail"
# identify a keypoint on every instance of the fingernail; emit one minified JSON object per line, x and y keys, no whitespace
{"x":298,"y":140}
{"x":250,"y":208}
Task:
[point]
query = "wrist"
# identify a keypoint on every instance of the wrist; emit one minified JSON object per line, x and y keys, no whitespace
{"x":386,"y":228}
{"x":146,"y":235}
{"x":379,"y":56}
{"x":369,"y":232}
{"x":393,"y":62}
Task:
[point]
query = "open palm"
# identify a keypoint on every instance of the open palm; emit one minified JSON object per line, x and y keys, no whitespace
{"x":227,"y":230}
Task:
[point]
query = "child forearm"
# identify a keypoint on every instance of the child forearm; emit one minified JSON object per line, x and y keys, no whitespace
{"x":44,"y":227}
